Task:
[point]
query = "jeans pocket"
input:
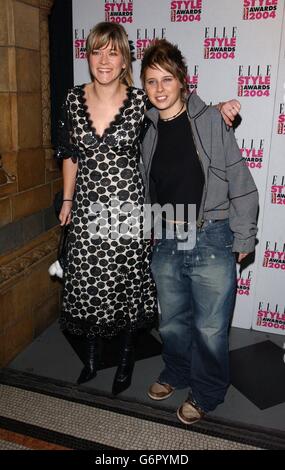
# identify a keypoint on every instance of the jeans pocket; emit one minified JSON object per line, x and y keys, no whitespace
{"x":219,"y":235}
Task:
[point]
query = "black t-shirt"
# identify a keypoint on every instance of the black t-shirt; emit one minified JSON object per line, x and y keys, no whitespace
{"x":176,"y":173}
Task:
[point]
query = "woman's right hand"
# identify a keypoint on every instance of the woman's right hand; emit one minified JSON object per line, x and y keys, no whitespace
{"x":65,"y":213}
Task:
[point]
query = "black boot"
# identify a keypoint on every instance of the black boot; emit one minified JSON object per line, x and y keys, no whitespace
{"x":123,"y":376}
{"x":91,"y":358}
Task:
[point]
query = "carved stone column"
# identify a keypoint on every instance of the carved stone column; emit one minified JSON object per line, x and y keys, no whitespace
{"x":45,"y":8}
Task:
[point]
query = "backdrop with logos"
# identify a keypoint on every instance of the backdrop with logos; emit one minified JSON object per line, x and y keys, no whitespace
{"x":234,"y":49}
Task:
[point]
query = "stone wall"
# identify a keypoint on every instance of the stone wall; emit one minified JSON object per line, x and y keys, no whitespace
{"x":29,"y":178}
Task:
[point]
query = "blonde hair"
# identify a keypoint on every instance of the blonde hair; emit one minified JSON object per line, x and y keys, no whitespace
{"x":104,"y":33}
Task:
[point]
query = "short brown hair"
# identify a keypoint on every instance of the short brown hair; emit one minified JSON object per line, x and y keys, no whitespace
{"x":167,"y":56}
{"x":104,"y":33}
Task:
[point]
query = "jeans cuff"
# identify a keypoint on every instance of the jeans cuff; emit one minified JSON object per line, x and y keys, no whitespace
{"x":163,"y":379}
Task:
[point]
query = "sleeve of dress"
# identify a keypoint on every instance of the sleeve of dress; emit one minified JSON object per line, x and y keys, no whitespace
{"x":65,"y":147}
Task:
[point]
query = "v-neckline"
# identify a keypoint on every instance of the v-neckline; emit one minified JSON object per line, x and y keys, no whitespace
{"x":115,"y":118}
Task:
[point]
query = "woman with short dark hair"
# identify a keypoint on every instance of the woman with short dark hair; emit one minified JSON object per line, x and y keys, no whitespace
{"x":191,"y":158}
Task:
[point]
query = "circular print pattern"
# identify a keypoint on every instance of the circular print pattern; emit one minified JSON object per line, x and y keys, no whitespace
{"x":108,"y":284}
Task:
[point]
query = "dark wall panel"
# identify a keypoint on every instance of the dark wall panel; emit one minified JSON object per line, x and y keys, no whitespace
{"x":61,"y":57}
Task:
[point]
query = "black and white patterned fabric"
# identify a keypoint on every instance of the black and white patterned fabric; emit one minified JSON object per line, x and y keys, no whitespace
{"x":107,"y":283}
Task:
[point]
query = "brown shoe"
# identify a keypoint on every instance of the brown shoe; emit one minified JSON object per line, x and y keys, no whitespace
{"x":190,"y":413}
{"x":158,"y":391}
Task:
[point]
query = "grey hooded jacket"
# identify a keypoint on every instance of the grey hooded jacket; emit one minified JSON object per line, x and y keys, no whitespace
{"x":229,"y":189}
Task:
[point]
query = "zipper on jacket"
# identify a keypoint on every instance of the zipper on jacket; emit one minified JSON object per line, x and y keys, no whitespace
{"x":200,"y":223}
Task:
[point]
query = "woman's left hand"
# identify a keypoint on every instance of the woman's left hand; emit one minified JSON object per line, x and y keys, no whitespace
{"x":241,"y":256}
{"x":229,"y":111}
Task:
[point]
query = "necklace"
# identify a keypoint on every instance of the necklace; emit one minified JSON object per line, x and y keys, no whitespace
{"x":174,"y":116}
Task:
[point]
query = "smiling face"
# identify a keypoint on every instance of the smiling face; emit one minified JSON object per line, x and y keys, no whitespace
{"x":164,"y":91}
{"x":106,"y":64}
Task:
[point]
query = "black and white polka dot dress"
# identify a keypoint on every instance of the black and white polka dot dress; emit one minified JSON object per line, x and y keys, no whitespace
{"x":107,"y":284}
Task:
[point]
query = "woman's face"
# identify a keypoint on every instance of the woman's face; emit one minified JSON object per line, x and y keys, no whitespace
{"x":106,"y":64}
{"x":164,"y":90}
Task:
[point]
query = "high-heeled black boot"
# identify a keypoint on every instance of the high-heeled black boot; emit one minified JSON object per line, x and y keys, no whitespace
{"x":91,"y":358}
{"x":123,"y":376}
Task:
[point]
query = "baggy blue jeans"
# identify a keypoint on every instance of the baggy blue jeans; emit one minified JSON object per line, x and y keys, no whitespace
{"x":196,"y":291}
